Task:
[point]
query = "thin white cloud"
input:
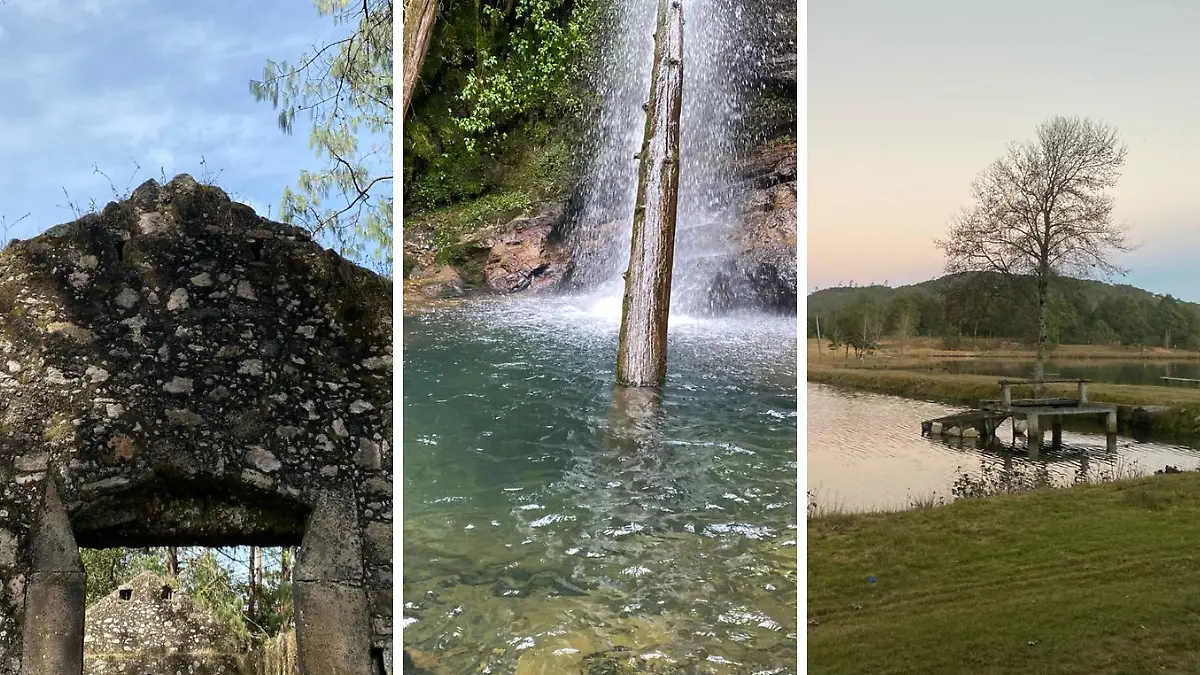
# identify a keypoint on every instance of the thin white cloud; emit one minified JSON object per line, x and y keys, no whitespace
{"x":74,"y":13}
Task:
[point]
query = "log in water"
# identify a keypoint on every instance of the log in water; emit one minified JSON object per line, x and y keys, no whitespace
{"x":642,"y":346}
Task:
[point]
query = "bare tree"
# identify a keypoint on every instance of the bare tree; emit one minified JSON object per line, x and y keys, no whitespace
{"x":1043,"y":210}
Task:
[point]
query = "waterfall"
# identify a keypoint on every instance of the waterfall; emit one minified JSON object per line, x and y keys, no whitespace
{"x":719,"y":59}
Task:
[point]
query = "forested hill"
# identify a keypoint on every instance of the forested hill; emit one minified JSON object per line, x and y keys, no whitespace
{"x":978,"y":304}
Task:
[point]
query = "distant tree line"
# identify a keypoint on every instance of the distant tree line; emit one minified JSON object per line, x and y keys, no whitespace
{"x":996,"y":307}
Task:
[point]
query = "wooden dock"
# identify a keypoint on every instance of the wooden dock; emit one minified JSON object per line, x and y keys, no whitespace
{"x":991,"y":413}
{"x":1186,"y":381}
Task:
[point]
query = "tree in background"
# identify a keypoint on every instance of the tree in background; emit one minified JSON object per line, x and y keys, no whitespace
{"x":867,"y":321}
{"x":1043,"y":210}
{"x":837,"y":329}
{"x":1174,"y":322}
{"x":108,"y":568}
{"x":345,"y":87}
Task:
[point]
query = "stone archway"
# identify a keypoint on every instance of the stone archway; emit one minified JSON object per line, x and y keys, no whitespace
{"x":176,"y":370}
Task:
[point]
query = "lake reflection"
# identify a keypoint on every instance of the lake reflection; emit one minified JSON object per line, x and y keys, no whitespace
{"x":865,"y":451}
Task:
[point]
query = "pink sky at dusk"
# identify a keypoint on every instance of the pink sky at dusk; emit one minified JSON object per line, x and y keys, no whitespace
{"x":907,"y":102}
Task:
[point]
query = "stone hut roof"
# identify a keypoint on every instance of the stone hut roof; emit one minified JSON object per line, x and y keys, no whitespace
{"x":148,"y":623}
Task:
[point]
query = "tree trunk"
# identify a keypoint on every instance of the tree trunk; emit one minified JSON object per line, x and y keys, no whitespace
{"x":1043,"y":337}
{"x":642,"y":345}
{"x":173,"y":560}
{"x":252,"y":589}
{"x":419,"y":19}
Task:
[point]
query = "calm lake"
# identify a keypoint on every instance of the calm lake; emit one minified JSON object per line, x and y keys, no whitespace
{"x":865,"y":451}
{"x":544,"y":523}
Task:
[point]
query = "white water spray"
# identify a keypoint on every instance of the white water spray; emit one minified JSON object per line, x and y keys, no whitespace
{"x":718,"y":67}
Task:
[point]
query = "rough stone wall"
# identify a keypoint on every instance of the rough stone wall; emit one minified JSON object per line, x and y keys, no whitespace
{"x":183,"y":371}
{"x":146,"y":634}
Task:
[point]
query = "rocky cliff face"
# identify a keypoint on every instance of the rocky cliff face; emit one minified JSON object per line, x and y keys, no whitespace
{"x":762,"y":273}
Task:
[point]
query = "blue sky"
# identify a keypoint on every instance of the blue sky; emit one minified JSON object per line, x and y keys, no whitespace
{"x":908,"y":101}
{"x":113,"y":84}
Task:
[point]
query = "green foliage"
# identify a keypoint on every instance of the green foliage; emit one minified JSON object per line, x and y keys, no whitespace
{"x":857,"y":326}
{"x":531,"y":69}
{"x":107,"y":568}
{"x":210,"y":582}
{"x":492,"y":209}
{"x":980,"y":305}
{"x":346,"y":89}
{"x":498,"y":101}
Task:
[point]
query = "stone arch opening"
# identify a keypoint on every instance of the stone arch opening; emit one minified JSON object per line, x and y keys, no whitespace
{"x":329,"y":605}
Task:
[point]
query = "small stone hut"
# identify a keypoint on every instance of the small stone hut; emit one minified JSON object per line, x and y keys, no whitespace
{"x":147,"y":628}
{"x":177,"y":371}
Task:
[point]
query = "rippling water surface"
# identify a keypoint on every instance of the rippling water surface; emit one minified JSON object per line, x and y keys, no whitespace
{"x":548,"y":527}
{"x":865,"y":451}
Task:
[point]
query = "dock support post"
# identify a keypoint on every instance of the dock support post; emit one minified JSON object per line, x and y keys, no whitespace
{"x":1083,"y":393}
{"x":1006,"y":395}
{"x":1034,"y":432}
{"x":1110,"y":429}
{"x":1056,"y":431}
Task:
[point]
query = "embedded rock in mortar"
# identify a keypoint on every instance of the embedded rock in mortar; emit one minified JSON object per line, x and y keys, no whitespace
{"x":525,"y":255}
{"x":176,"y":370}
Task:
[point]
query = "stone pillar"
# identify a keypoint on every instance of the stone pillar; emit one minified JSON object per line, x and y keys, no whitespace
{"x":55,"y":597}
{"x":1006,"y":395}
{"x":1056,"y":431}
{"x":1034,"y":432}
{"x":1083,"y":393}
{"x":333,"y":632}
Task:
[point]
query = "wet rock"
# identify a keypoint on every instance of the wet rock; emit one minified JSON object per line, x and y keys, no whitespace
{"x":763,"y":271}
{"x":440,"y":283}
{"x":524,"y":255}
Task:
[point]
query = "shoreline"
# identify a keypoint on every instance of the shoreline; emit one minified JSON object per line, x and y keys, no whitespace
{"x":1172,"y":412}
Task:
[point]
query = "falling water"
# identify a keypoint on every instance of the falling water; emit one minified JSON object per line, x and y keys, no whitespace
{"x":719,"y":59}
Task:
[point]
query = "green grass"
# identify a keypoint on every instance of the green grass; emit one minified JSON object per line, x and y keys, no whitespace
{"x":1092,"y":579}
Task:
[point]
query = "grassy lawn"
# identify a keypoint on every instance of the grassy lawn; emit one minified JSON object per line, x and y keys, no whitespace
{"x":921,"y":352}
{"x":1093,"y":579}
{"x":969,"y":389}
